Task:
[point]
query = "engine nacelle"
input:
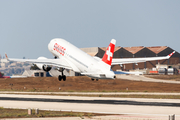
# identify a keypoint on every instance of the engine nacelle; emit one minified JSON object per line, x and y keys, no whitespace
{"x":46,"y":68}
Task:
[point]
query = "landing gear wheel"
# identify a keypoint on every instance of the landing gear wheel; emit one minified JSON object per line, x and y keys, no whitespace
{"x":59,"y":77}
{"x":92,"y":79}
{"x":64,"y":78}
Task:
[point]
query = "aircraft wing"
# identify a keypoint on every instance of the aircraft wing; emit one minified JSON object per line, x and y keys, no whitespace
{"x":51,"y":62}
{"x":138,"y":60}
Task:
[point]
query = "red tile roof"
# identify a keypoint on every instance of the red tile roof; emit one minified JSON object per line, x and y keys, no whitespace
{"x":157,"y":49}
{"x":134,"y":50}
{"x":116,"y":48}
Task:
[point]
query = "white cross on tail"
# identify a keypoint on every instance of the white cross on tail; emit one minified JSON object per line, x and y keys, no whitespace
{"x":109,"y":53}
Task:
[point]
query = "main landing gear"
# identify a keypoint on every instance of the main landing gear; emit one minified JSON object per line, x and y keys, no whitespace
{"x":62,"y":77}
{"x":94,"y":79}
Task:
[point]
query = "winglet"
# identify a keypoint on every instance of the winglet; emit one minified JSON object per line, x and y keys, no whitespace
{"x":6,"y":56}
{"x":171,"y":54}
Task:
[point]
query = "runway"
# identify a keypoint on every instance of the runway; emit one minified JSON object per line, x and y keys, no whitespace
{"x":128,"y":106}
{"x":108,"y":102}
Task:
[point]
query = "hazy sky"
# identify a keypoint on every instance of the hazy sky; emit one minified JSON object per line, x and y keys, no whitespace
{"x":27,"y":26}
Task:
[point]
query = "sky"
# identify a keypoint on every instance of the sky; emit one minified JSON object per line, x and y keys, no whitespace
{"x":27,"y":26}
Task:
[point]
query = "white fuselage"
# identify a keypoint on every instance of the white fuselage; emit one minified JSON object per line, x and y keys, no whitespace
{"x":79,"y":60}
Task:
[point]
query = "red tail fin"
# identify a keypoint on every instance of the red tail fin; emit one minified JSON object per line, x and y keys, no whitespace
{"x":107,"y":58}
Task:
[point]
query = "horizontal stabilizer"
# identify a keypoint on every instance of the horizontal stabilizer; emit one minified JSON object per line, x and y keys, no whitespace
{"x":124,"y":72}
{"x":91,"y":73}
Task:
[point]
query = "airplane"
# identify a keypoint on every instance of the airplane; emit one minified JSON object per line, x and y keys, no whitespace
{"x":73,"y":58}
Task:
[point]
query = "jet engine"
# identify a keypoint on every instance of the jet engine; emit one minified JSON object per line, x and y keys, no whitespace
{"x":46,"y":68}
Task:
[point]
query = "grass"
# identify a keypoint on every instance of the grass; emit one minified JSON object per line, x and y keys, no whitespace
{"x":41,"y":90}
{"x":84,"y":84}
{"x":23,"y":113}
